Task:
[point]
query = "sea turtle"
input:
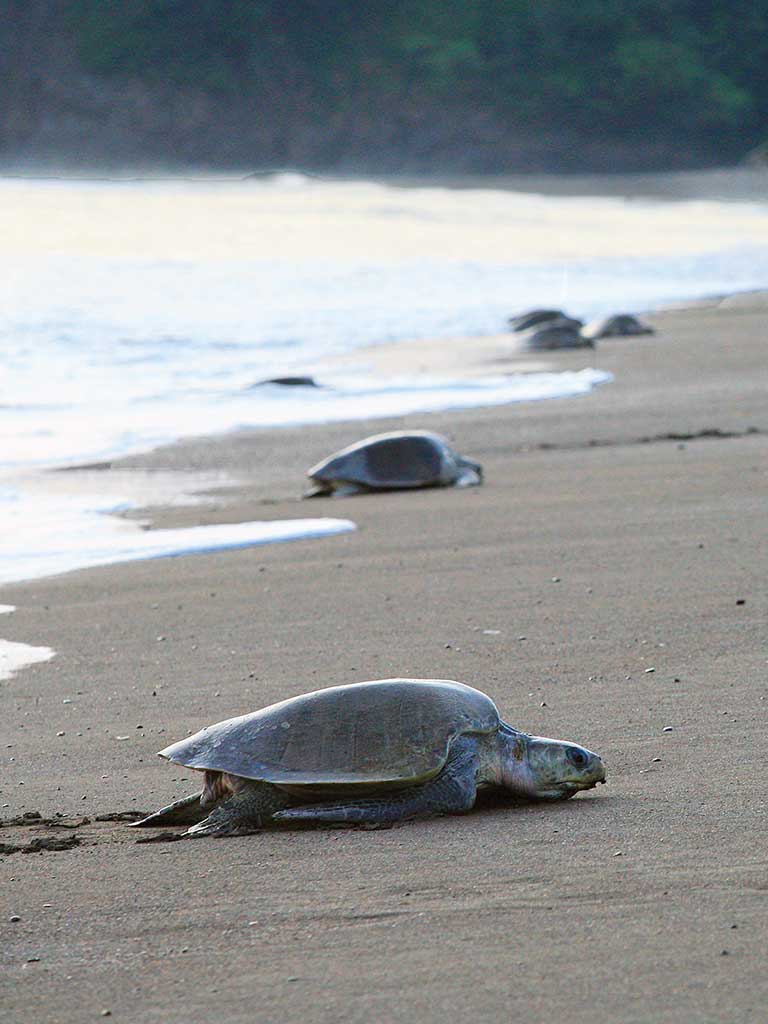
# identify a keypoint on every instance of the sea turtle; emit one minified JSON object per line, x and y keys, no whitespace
{"x":615,"y":326}
{"x":534,"y":317}
{"x":286,"y":382}
{"x":398,"y":460}
{"x":564,"y":332}
{"x":373,"y":752}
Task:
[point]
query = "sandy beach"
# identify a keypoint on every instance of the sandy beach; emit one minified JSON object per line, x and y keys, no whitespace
{"x":606,"y":585}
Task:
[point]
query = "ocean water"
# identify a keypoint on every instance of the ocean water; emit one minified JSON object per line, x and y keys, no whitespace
{"x":134,"y":313}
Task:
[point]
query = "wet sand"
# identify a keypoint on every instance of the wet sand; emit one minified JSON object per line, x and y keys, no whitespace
{"x":618,"y":548}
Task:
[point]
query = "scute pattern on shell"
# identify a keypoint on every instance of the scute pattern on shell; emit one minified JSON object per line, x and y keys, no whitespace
{"x":384,"y":731}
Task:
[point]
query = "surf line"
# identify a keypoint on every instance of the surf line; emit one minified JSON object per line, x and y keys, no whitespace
{"x":167,"y":544}
{"x":14,"y":656}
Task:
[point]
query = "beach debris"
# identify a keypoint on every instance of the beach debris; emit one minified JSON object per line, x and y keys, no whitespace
{"x":14,"y":918}
{"x":161,"y":837}
{"x":668,"y":728}
{"x":59,"y":820}
{"x":619,"y":325}
{"x":424,"y":744}
{"x":121,"y":816}
{"x":41,"y":843}
{"x":285,"y":382}
{"x":399,"y":460}
{"x":27,"y":818}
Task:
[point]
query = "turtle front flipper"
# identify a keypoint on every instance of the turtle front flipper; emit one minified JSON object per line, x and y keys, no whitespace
{"x":249,"y":809}
{"x":453,"y":791}
{"x":186,"y":811}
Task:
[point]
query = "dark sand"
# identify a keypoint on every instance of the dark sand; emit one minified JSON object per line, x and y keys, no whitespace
{"x":600,"y":548}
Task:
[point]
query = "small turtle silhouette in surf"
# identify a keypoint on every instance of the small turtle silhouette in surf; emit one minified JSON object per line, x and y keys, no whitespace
{"x":285,"y":382}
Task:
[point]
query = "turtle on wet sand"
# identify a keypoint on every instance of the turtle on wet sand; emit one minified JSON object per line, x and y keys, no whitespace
{"x":564,"y":332}
{"x":621,"y":324}
{"x":398,"y":460}
{"x":373,"y":752}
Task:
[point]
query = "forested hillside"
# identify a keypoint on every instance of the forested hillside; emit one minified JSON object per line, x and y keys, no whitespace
{"x":402,"y":85}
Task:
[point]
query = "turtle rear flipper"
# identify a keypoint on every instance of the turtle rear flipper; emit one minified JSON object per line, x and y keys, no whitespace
{"x":186,"y":811}
{"x":249,"y":809}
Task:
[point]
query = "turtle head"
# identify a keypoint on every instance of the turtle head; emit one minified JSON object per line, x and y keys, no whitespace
{"x":469,"y":472}
{"x":545,"y":769}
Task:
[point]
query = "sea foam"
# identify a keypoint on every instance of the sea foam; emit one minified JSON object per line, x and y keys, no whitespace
{"x":14,"y":656}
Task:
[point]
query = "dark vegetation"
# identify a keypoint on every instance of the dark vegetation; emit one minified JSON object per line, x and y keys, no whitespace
{"x":406,"y":85}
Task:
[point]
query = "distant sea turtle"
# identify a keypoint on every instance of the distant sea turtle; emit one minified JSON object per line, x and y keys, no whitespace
{"x":286,"y":382}
{"x":534,"y":317}
{"x":554,"y":334}
{"x":377,"y":752}
{"x":615,"y":326}
{"x":399,"y":460}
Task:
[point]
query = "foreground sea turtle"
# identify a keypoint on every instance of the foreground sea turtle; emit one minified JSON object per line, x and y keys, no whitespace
{"x":615,"y":327}
{"x":375,"y":752}
{"x":399,"y":460}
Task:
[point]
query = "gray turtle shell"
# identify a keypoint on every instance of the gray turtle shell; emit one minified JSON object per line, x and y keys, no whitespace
{"x":393,"y":731}
{"x":616,"y":326}
{"x":398,"y":459}
{"x":536,"y":317}
{"x":554,"y":334}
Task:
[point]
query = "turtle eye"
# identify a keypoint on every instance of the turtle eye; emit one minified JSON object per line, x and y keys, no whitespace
{"x":577,"y":757}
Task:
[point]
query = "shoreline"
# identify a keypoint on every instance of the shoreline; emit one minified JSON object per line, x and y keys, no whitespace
{"x":150,"y":480}
{"x":598,"y":588}
{"x":736,"y":183}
